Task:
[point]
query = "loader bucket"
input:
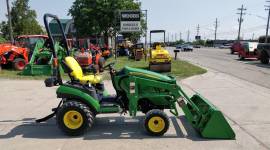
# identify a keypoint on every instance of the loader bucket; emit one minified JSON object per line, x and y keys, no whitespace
{"x":207,"y":119}
{"x":32,"y":70}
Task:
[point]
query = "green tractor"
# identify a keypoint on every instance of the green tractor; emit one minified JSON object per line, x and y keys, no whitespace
{"x":84,"y":97}
{"x":41,"y":60}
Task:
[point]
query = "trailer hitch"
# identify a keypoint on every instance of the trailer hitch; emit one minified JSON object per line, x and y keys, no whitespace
{"x":50,"y":115}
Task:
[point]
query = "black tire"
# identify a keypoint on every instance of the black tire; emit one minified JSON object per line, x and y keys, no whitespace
{"x":162,"y":122}
{"x":73,"y":106}
{"x":264,"y":57}
{"x":19,"y":64}
{"x":241,"y":57}
{"x":232,"y":52}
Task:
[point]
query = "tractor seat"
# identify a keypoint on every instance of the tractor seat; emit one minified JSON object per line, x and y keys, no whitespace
{"x":77,"y":73}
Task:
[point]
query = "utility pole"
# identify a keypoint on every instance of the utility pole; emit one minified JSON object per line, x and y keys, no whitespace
{"x":168,"y":37}
{"x":180,"y":36}
{"x":188,"y":34}
{"x":9,"y":22}
{"x":216,"y":26}
{"x":145,"y":40}
{"x":198,"y":30}
{"x":267,"y":27}
{"x":240,"y":20}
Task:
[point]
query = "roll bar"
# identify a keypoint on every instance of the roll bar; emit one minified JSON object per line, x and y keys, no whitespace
{"x":51,"y":39}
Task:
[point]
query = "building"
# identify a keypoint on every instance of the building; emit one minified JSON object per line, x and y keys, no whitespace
{"x":68,"y":26}
{"x":70,"y":32}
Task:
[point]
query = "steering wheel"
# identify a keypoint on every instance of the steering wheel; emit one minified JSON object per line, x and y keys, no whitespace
{"x":110,"y":66}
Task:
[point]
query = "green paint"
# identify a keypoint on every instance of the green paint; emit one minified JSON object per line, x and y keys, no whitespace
{"x":76,"y":93}
{"x":41,"y":52}
{"x":109,"y":109}
{"x":207,"y":119}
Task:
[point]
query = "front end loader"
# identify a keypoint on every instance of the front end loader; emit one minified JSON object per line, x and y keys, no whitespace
{"x":42,"y":59}
{"x":137,"y":90}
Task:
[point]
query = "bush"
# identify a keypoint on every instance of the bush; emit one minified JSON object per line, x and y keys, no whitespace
{"x":2,"y":40}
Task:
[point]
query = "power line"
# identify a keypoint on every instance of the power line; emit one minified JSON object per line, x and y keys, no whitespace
{"x":240,"y":20}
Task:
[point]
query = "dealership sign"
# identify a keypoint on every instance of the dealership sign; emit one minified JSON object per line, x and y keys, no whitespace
{"x":130,"y":21}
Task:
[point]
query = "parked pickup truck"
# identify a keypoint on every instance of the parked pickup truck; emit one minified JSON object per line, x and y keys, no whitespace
{"x":263,"y":50}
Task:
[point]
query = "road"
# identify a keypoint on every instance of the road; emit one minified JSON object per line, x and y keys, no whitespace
{"x":221,"y":60}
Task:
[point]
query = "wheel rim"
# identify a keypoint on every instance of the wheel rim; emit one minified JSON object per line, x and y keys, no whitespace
{"x":21,"y":64}
{"x":73,"y":119}
{"x":156,"y":124}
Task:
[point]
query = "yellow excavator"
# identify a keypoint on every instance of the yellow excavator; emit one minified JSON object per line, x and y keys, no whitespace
{"x":159,"y":57}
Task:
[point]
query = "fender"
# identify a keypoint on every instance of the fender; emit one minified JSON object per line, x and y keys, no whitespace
{"x":68,"y":91}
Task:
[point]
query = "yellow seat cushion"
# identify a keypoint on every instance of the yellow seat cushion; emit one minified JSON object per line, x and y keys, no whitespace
{"x":90,"y":79}
{"x":77,"y":72}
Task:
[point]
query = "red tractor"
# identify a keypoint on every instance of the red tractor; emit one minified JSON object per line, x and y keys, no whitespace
{"x":18,"y":53}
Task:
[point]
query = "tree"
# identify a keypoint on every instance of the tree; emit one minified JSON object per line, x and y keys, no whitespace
{"x":199,"y":42}
{"x":4,"y":29}
{"x":23,"y":20}
{"x":94,"y":17}
{"x":2,"y":40}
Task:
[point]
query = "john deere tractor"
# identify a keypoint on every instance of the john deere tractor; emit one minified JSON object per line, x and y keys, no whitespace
{"x":159,"y":59}
{"x":137,"y":90}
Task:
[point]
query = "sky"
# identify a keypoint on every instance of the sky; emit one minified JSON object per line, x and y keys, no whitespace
{"x":179,"y":16}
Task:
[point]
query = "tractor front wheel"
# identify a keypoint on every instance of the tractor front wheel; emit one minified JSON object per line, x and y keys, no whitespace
{"x":74,"y":118}
{"x":19,"y":64}
{"x":264,"y":57}
{"x":156,"y":122}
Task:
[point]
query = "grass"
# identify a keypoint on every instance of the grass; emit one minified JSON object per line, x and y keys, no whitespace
{"x":180,"y":69}
{"x":12,"y":74}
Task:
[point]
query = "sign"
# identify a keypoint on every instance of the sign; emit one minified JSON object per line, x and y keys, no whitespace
{"x":130,"y":26}
{"x":198,"y":37}
{"x":130,"y":21}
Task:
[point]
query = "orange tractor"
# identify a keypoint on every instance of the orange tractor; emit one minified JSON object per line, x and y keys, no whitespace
{"x":90,"y":58}
{"x":18,"y":53}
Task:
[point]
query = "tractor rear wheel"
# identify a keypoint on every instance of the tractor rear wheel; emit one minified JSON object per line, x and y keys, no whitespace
{"x":19,"y":64}
{"x":156,"y":122}
{"x":264,"y":57}
{"x":74,"y":118}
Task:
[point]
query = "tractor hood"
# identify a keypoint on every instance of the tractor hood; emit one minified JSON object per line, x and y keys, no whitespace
{"x":5,"y":48}
{"x":149,"y":74}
